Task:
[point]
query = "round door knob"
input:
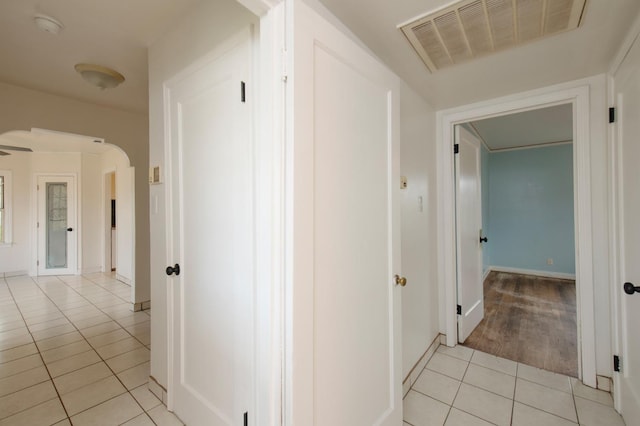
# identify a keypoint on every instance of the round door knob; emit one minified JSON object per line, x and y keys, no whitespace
{"x":401,"y":281}
{"x":173,"y":270}
{"x":629,"y":288}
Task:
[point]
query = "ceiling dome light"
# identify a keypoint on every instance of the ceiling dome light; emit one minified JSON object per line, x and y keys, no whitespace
{"x":102,"y":77}
{"x":48,"y":24}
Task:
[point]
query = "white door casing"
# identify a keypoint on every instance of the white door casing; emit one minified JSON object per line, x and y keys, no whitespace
{"x":626,"y":177}
{"x":343,"y":334}
{"x":125,"y":229}
{"x":210,"y":235}
{"x":67,"y":240}
{"x":469,"y":224}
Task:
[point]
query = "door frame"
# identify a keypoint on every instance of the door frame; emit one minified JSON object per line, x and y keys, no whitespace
{"x":107,"y":260}
{"x":576,"y":93}
{"x":77,"y":203}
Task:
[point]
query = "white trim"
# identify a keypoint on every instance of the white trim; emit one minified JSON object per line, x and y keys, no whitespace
{"x":540,"y":145}
{"x":486,"y":274}
{"x":545,"y":274}
{"x":576,"y":92}
{"x":8,"y":208}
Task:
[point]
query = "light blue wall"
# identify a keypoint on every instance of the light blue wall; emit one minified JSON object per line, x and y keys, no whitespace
{"x":530,"y":209}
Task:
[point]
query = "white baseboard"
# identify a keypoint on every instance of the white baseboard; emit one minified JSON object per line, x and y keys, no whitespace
{"x":13,"y":274}
{"x":123,"y":279}
{"x":486,"y":274}
{"x":419,"y":366}
{"x":91,"y":270}
{"x":547,"y":274}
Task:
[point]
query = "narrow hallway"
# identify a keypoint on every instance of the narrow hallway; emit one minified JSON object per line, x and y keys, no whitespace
{"x":73,"y":353}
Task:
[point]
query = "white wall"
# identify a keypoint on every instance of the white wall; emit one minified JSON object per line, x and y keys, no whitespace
{"x":191,"y":37}
{"x":420,"y":296}
{"x":20,"y":256}
{"x":23,"y":109}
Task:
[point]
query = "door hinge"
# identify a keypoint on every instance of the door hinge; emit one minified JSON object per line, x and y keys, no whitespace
{"x":616,"y":363}
{"x":37,"y":263}
{"x":459,"y":309}
{"x":456,"y":148}
{"x":612,"y":115}
{"x":242,"y":92}
{"x":285,"y":58}
{"x":37,"y":224}
{"x":246,"y":419}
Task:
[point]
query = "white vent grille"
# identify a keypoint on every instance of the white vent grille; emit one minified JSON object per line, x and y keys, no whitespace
{"x":474,"y":28}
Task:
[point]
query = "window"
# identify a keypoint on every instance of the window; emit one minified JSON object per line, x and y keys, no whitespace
{"x":5,"y":207}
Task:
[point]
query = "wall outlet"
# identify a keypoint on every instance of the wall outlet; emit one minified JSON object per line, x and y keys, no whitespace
{"x":549,"y":261}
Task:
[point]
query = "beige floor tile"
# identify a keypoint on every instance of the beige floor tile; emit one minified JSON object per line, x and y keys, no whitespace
{"x":486,"y":405}
{"x":136,"y":376}
{"x":119,"y":347}
{"x":145,"y":397}
{"x":460,"y":418}
{"x":591,"y":413}
{"x":494,"y":363}
{"x":16,"y":332}
{"x":437,"y":386}
{"x":583,"y":391}
{"x":92,"y":395}
{"x":108,"y":338}
{"x":26,"y":398}
{"x":47,"y":413}
{"x":53,"y":331}
{"x":128,"y":359}
{"x":52,"y":316}
{"x":458,"y":351}
{"x":12,"y":325}
{"x":62,"y":352}
{"x":64,"y":422}
{"x":136,"y":318}
{"x":57,"y":341}
{"x":15,"y":342}
{"x":546,"y":399}
{"x":420,"y":410}
{"x":91,"y":321}
{"x":72,"y":363}
{"x":447,"y":365}
{"x":99,"y":329}
{"x":82,"y":377}
{"x":144,"y":338}
{"x":162,"y":417}
{"x":545,"y":378}
{"x":491,"y":380}
{"x":112,"y":412}
{"x":523,"y":415}
{"x":141,"y":420}
{"x":19,"y":365}
{"x":23,"y":380}
{"x":48,"y":324}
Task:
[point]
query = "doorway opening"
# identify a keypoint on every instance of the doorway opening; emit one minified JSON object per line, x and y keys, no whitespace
{"x":518,"y":257}
{"x":576,"y":94}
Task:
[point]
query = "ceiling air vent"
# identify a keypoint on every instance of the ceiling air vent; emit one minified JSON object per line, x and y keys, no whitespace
{"x":473,"y":28}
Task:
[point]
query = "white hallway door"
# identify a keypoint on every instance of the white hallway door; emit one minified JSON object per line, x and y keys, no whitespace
{"x":627,"y":84}
{"x":469,"y":225}
{"x":209,"y":183}
{"x":57,"y":230}
{"x":345,"y":369}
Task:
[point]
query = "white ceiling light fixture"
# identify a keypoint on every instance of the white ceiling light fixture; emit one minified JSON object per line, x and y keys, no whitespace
{"x":99,"y":76}
{"x":48,"y":24}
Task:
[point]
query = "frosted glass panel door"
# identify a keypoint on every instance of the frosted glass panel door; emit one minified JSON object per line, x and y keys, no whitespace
{"x":56,"y":225}
{"x":57,"y":233}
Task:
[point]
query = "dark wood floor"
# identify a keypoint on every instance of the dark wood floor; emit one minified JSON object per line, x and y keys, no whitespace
{"x":531,"y":320}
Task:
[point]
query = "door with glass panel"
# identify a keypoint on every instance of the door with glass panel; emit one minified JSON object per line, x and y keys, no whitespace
{"x":56,"y":225}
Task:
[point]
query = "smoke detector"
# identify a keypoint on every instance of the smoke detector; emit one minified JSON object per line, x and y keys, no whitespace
{"x":471,"y":29}
{"x":48,"y":24}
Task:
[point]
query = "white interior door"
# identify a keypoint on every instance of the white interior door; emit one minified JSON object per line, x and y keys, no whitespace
{"x":469,"y":225}
{"x":209,"y":183}
{"x":627,"y":84}
{"x":344,"y":365}
{"x":57,"y":228}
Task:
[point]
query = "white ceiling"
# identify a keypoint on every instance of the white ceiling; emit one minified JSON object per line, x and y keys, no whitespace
{"x":110,"y":33}
{"x":529,"y":128}
{"x":568,"y":56}
{"x":117,"y":34}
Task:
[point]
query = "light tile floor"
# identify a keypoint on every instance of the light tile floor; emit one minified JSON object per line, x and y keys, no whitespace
{"x":463,"y":387}
{"x":73,"y":353}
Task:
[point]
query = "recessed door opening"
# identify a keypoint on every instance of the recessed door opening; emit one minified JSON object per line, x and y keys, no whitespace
{"x":516,"y":237}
